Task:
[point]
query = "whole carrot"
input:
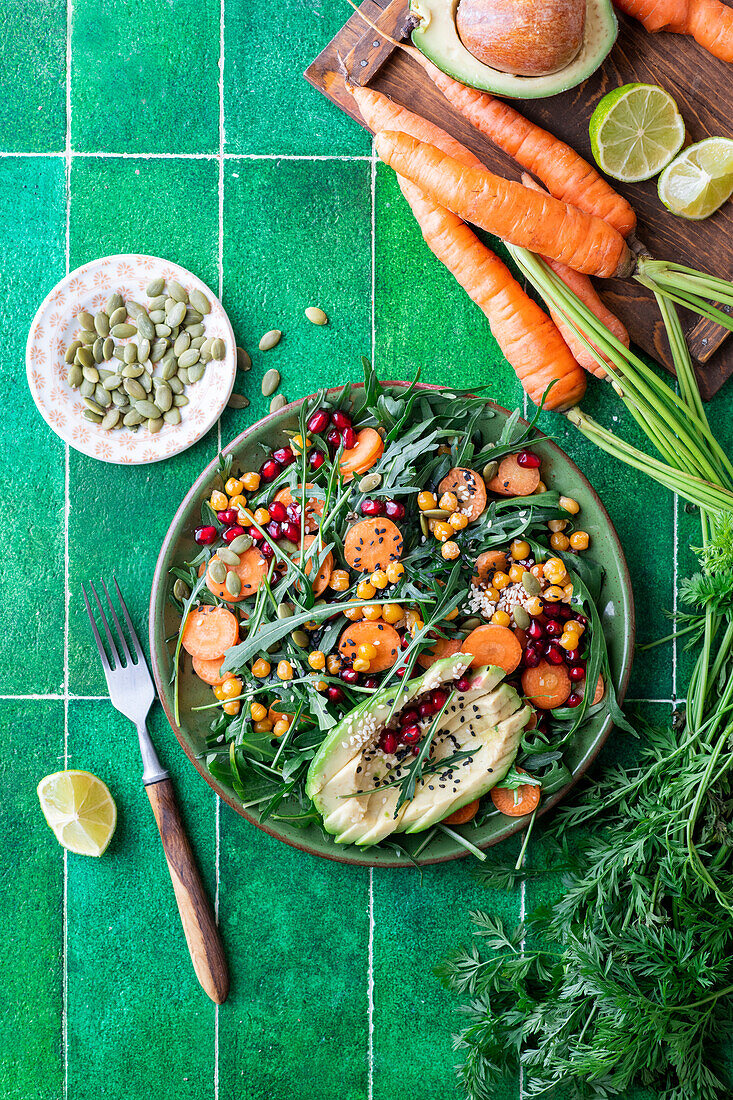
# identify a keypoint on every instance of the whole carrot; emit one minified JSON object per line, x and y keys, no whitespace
{"x":509,"y":210}
{"x":707,"y":21}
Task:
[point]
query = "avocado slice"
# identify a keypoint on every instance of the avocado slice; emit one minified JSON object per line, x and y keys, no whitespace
{"x":437,"y":37}
{"x":489,"y":716}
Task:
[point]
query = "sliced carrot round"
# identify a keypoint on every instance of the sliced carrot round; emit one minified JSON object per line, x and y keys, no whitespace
{"x":489,"y":563}
{"x":382,"y":636}
{"x":470,"y":489}
{"x":372,"y":544}
{"x":513,"y":480}
{"x":209,"y":671}
{"x":251,"y":569}
{"x":323,"y":576}
{"x":313,"y":507}
{"x":275,"y":714}
{"x":444,"y":647}
{"x":520,"y":634}
{"x":466,"y":813}
{"x":209,"y":632}
{"x":517,"y":803}
{"x":493,"y":645}
{"x":546,"y":686}
{"x":367,"y":450}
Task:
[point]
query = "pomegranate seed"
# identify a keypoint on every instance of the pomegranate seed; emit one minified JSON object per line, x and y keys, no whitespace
{"x":394,"y":509}
{"x":554,"y":654}
{"x":293,"y":510}
{"x":566,"y":613}
{"x":277,"y":511}
{"x":401,"y":672}
{"x":269,"y":469}
{"x":291,"y":531}
{"x":284,"y":455}
{"x":334,"y":437}
{"x":340,"y":419}
{"x":349,"y":437}
{"x":425,"y":710}
{"x":319,"y":421}
{"x":389,"y":741}
{"x":463,"y":683}
{"x":535,"y":630}
{"x":349,"y":676}
{"x":316,"y":460}
{"x":370,"y":682}
{"x":553,"y":610}
{"x":335,"y":694}
{"x":576,"y":673}
{"x":371,"y":507}
{"x":574,"y":700}
{"x":404,"y":641}
{"x":408,"y":717}
{"x":204,"y":536}
{"x":440,"y":698}
{"x":572,"y":656}
{"x":411,"y":734}
{"x":528,"y":460}
{"x":232,"y":532}
{"x":228,"y":515}
{"x":416,"y":750}
{"x":274,"y":529}
{"x":553,"y":629}
{"x":582,"y":620}
{"x":531,"y":658}
{"x":255,"y":534}
{"x":267,"y":550}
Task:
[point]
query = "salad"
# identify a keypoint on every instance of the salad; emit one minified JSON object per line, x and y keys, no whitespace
{"x":397,"y":620}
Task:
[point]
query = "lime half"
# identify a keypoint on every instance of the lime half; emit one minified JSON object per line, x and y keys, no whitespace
{"x":80,"y":810}
{"x":699,"y":180}
{"x":635,"y":131}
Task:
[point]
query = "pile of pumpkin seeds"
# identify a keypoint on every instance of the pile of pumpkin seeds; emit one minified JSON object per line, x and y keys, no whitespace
{"x":166,"y":350}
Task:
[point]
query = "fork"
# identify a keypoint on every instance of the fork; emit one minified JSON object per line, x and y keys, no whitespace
{"x":132,"y":693}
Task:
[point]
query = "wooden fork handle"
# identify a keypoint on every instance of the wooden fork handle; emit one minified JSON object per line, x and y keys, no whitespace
{"x":197,"y":915}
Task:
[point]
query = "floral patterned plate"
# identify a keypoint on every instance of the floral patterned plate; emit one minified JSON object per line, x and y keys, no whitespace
{"x":55,"y":325}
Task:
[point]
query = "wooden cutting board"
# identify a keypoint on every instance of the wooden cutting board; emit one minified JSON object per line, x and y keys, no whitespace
{"x":703,"y":89}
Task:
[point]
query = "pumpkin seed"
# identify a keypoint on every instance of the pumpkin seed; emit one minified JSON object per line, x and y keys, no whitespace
{"x":471,"y":623}
{"x":119,"y":398}
{"x":163,"y":331}
{"x":217,"y":571}
{"x":270,"y":339}
{"x":199,"y":301}
{"x":531,"y":584}
{"x":157,"y":316}
{"x":155,"y":287}
{"x":240,"y":544}
{"x":228,"y":556}
{"x":183,"y":375}
{"x":196,"y":372}
{"x":111,"y":419}
{"x":117,"y":317}
{"x":94,"y":406}
{"x":244,"y":359}
{"x":175,"y":314}
{"x":143,"y":348}
{"x":145,"y":382}
{"x":84,"y":357}
{"x":177,"y":292}
{"x":369,"y":482}
{"x":521,"y":618}
{"x":490,"y":471}
{"x":300,"y":638}
{"x":316,"y":315}
{"x":133,"y":389}
{"x":148,"y":408}
{"x":133,"y":308}
{"x":145,"y":326}
{"x":278,"y":402}
{"x":114,"y":302}
{"x":158,"y":351}
{"x":108,"y":348}
{"x":206,"y":350}
{"x":188,"y":357}
{"x":91,"y":374}
{"x":101,"y":323}
{"x":193,"y":317}
{"x":118,"y":353}
{"x":101,"y":396}
{"x":424,"y":525}
{"x":175,"y":384}
{"x":130,"y":353}
{"x":74,"y":376}
{"x":88,"y":336}
{"x":179,"y":400}
{"x":121,"y":332}
{"x":132,"y":370}
{"x":270,"y":382}
{"x":92,"y":417}
{"x":87,"y":389}
{"x":72,"y":350}
{"x":155,"y":423}
{"x":148,"y":366}
{"x":173,"y":416}
{"x":113,"y":382}
{"x":197,"y":342}
{"x":86,"y":320}
{"x":195,"y":330}
{"x":163,"y":396}
{"x":218,"y":349}
{"x":97,"y":351}
{"x":284,"y":610}
{"x":436,"y":513}
{"x":181,"y":590}
{"x":104,"y":373}
{"x":167,"y":363}
{"x":183,"y":341}
{"x":238,"y":401}
{"x":233,"y":584}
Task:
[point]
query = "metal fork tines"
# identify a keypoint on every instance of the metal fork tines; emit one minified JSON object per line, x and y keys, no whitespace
{"x":130,"y":686}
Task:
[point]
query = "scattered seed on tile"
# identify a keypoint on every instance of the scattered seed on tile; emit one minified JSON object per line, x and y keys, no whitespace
{"x":316,"y":315}
{"x":270,"y":339}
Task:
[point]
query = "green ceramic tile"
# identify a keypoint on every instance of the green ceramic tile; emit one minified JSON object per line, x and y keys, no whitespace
{"x":32,"y":207}
{"x":33,"y":76}
{"x":321,"y":257}
{"x":31,"y":900}
{"x":145,"y":76}
{"x":297,"y":929}
{"x":268,"y":106}
{"x":138,"y":1021}
{"x":119,"y":515}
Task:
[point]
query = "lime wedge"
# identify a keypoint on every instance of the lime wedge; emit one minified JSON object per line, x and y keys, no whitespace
{"x":635,"y":131}
{"x":700,"y":180}
{"x":80,"y":810}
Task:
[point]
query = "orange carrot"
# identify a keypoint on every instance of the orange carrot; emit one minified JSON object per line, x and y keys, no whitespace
{"x":372,"y":544}
{"x":209,"y":671}
{"x":493,"y":645}
{"x":546,"y":686}
{"x":251,"y":569}
{"x":382,"y":636}
{"x":367,"y":450}
{"x":486,"y":564}
{"x":523,"y":217}
{"x":444,"y":647}
{"x":323,"y":576}
{"x":517,"y":803}
{"x":275,"y":714}
{"x":708,"y":21}
{"x":209,"y":632}
{"x":513,"y":480}
{"x":313,"y":507}
{"x":470,"y":489}
{"x":464,"y":815}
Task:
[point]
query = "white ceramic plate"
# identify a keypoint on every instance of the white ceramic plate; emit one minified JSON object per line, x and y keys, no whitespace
{"x":55,"y":325}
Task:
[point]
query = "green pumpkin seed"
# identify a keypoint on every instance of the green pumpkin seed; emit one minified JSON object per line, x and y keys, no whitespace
{"x":196,"y":372}
{"x":119,"y":398}
{"x":316,"y":316}
{"x":217,"y":571}
{"x":244,"y":359}
{"x":233,"y":584}
{"x":97,"y":350}
{"x":121,"y":332}
{"x":175,"y":314}
{"x":93,"y":406}
{"x":163,"y":331}
{"x":300,"y":638}
{"x":270,"y":382}
{"x":113,"y":302}
{"x":155,"y":423}
{"x":192,"y":317}
{"x":206,"y":351}
{"x":101,"y":323}
{"x":177,"y":292}
{"x":197,"y":342}
{"x":74,"y":376}
{"x":531,"y":584}
{"x":228,"y":556}
{"x":87,"y":389}
{"x":91,"y":374}
{"x":155,"y":287}
{"x":168,"y":367}
{"x":238,"y":401}
{"x":111,"y":419}
{"x":145,"y":326}
{"x":490,"y":471}
{"x":132,"y":370}
{"x":199,"y":301}
{"x":240,"y":544}
{"x":148,"y":409}
{"x":113,"y":382}
{"x":158,"y":350}
{"x":188,"y":357}
{"x":133,"y":308}
{"x":101,"y":396}
{"x":88,"y":336}
{"x":118,"y":317}
{"x":92,"y":417}
{"x":148,"y":366}
{"x":195,"y":330}
{"x":183,"y":375}
{"x":218,"y":349}
{"x":104,"y":373}
{"x":370,"y":482}
{"x":132,"y":418}
{"x":471,"y":623}
{"x":146,"y":382}
{"x":108,"y":348}
{"x":183,"y":342}
{"x":278,"y":402}
{"x":143,"y":348}
{"x":179,"y":400}
{"x":133,"y":389}
{"x":270,"y":339}
{"x":72,"y":350}
{"x":86,"y":320}
{"x":284,"y":610}
{"x":181,"y":590}
{"x":173,"y":416}
{"x":520,"y":616}
{"x":118,"y":353}
{"x":84,"y":357}
{"x":175,"y":384}
{"x":163,"y":396}
{"x":436,"y":513}
{"x":157,"y":316}
{"x":424,"y":525}
{"x":130,"y":353}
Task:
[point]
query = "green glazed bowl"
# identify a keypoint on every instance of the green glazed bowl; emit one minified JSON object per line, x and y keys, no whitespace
{"x":616,"y":608}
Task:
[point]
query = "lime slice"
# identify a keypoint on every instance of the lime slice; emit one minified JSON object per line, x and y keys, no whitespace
{"x":700,"y":180}
{"x":80,"y":810}
{"x":635,"y":131}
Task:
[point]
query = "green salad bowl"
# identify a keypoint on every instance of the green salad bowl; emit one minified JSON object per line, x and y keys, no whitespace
{"x":616,"y":608}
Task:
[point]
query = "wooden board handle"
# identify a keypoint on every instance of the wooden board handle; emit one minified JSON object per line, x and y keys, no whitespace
{"x":197,"y":915}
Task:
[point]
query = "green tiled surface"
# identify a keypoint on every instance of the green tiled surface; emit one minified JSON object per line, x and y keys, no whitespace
{"x":332,"y":994}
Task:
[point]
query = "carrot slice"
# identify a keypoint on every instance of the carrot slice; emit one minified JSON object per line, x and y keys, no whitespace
{"x":372,"y":544}
{"x":546,"y":686}
{"x":599,"y":692}
{"x":251,"y":569}
{"x":381,"y":635}
{"x":470,"y":489}
{"x":493,"y":645}
{"x":367,"y":450}
{"x":520,"y":635}
{"x":275,"y":714}
{"x":323,"y":576}
{"x":444,"y":647}
{"x":489,"y":562}
{"x":208,"y":671}
{"x":313,"y":507}
{"x":513,"y":480}
{"x":517,"y":803}
{"x":209,"y":632}
{"x":460,"y":817}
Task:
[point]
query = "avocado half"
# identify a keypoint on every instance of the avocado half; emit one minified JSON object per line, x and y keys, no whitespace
{"x":489,"y":717}
{"x":437,"y":37}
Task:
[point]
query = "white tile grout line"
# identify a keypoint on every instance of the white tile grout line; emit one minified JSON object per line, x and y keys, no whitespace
{"x":67,"y":507}
{"x":102,"y":155}
{"x":220,"y":268}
